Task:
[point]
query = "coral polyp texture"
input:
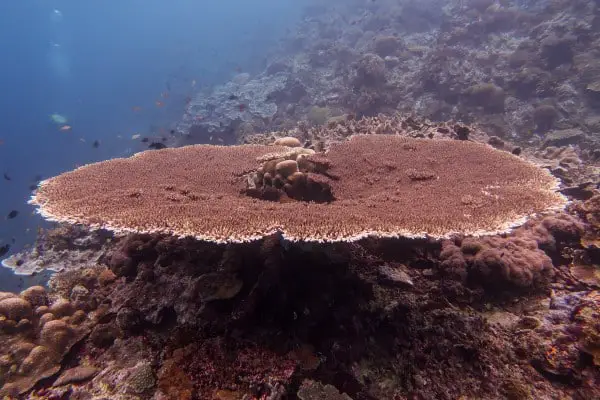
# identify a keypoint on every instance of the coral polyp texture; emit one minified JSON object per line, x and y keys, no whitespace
{"x":381,"y":185}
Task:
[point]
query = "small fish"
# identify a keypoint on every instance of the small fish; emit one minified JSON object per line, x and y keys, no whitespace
{"x":159,"y":103}
{"x":164,"y":139}
{"x":164,"y":95}
{"x":12,"y":214}
{"x":7,"y":177}
{"x":145,"y":140}
{"x":193,"y":82}
{"x":238,"y":69}
{"x":96,"y":144}
{"x":58,"y":119}
{"x":4,"y":249}
{"x":232,"y":97}
{"x":199,"y":118}
{"x":188,"y":100}
{"x":33,"y":187}
{"x":242,"y":107}
{"x":65,"y":128}
{"x":157,"y":146}
{"x":82,"y":140}
{"x":136,"y":108}
{"x":37,"y":178}
{"x":136,"y":136}
{"x":1,"y":142}
{"x":172,"y":131}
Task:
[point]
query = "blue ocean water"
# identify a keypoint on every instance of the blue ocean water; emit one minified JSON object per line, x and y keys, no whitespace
{"x":96,"y":62}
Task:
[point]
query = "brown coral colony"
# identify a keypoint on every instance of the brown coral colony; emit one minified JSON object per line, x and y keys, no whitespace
{"x":381,"y":185}
{"x":36,"y":336}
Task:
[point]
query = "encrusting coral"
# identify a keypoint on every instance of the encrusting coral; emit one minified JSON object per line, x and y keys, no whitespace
{"x":381,"y":185}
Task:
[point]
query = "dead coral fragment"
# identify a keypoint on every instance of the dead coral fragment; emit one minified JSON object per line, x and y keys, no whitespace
{"x":366,"y":176}
{"x":74,"y":375}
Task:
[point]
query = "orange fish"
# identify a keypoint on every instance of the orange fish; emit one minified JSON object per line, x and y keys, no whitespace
{"x":136,"y":108}
{"x":159,"y":103}
{"x":65,"y":128}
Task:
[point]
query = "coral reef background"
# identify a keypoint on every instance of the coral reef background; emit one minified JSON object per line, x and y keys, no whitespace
{"x":143,"y":314}
{"x":524,"y":71}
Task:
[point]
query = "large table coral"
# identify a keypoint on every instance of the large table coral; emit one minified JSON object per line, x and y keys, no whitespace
{"x":381,"y":185}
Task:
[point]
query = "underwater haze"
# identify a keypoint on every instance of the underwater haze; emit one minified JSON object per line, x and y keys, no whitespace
{"x":111,"y":70}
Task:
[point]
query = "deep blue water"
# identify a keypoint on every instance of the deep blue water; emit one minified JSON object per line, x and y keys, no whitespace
{"x":93,"y":61}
